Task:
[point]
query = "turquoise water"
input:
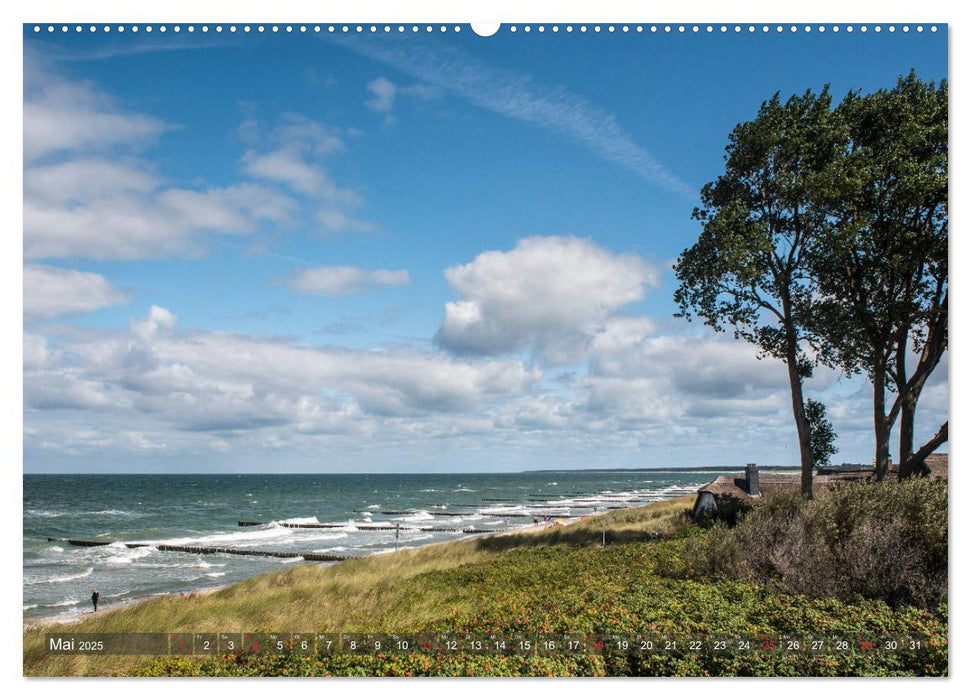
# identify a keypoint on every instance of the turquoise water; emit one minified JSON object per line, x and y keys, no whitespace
{"x":203,"y":510}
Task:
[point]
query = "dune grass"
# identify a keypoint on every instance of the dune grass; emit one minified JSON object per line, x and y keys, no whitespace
{"x":367,"y":594}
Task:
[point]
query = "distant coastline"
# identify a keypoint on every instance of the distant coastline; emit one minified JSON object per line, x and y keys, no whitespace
{"x":734,"y":468}
{"x":730,"y":468}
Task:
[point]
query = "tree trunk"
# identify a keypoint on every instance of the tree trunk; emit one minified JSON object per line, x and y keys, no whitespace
{"x":909,"y":389}
{"x":799,"y":413}
{"x":906,"y":399}
{"x":908,"y":407}
{"x":911,"y":466}
{"x":881,"y":426}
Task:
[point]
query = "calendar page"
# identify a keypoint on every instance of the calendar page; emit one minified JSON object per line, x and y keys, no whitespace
{"x":429,"y":348}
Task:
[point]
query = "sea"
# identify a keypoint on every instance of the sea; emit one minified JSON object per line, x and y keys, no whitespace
{"x":206,"y":511}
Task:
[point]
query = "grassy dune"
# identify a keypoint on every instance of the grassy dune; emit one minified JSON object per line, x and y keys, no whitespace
{"x":555,"y":581}
{"x":356,"y":595}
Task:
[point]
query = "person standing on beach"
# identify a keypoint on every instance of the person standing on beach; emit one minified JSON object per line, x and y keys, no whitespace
{"x":94,"y":599}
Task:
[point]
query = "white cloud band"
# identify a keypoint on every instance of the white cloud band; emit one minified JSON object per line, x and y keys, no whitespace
{"x":344,"y":281}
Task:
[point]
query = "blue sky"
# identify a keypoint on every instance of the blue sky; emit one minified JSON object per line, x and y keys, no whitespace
{"x":416,"y":252}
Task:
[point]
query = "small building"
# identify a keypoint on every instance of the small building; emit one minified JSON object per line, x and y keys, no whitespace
{"x":726,"y":496}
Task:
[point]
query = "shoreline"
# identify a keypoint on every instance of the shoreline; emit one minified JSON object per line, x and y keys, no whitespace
{"x":43,"y":622}
{"x":47,"y":622}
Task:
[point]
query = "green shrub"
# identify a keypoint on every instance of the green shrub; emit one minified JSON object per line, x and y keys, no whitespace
{"x":886,"y":541}
{"x":623,"y":590}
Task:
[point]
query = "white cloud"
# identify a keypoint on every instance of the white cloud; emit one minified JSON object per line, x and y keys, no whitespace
{"x":297,"y":131}
{"x":334,"y":220}
{"x":119,"y":224}
{"x":289,"y":168}
{"x":158,"y":319}
{"x":382,"y":95}
{"x":65,"y":388}
{"x":37,"y":355}
{"x":230,"y":384}
{"x":630,"y":401}
{"x":692,"y":375}
{"x":519,"y":97}
{"x":345,"y":281}
{"x":138,"y":440}
{"x":236,"y":208}
{"x":85,"y":178}
{"x":156,"y":387}
{"x":53,"y":291}
{"x":60,"y":115}
{"x":639,"y":382}
{"x":293,"y":154}
{"x":621,"y":333}
{"x":548,"y":295}
{"x":705,"y":365}
{"x":87,"y":195}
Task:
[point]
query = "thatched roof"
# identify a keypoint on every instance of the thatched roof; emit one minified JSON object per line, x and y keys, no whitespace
{"x":726,"y":494}
{"x":735,"y":488}
{"x":727,"y":487}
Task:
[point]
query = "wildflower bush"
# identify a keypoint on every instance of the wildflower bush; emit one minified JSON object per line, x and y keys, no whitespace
{"x":885,"y":541}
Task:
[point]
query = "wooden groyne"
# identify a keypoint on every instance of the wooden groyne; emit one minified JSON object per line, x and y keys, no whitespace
{"x":414,"y":512}
{"x":572,"y":494}
{"x":81,"y":543}
{"x":332,"y":526}
{"x":452,"y":514}
{"x":309,"y":556}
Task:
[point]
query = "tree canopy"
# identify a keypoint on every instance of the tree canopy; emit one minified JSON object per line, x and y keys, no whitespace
{"x":882,"y":269}
{"x":825,"y":241}
{"x":748,"y":268}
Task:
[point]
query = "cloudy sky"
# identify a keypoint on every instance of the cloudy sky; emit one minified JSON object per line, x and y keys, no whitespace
{"x":404,"y":252}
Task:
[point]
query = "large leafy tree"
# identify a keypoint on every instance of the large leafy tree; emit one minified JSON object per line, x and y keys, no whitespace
{"x":881,"y":269}
{"x":748,"y":269}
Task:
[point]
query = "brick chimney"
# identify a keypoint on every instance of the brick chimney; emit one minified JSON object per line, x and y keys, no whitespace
{"x":752,"y":478}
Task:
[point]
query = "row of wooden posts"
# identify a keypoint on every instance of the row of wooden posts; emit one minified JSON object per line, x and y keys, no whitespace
{"x":309,"y":556}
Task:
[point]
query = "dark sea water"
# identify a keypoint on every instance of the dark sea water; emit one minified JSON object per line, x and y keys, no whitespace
{"x":203,"y":510}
